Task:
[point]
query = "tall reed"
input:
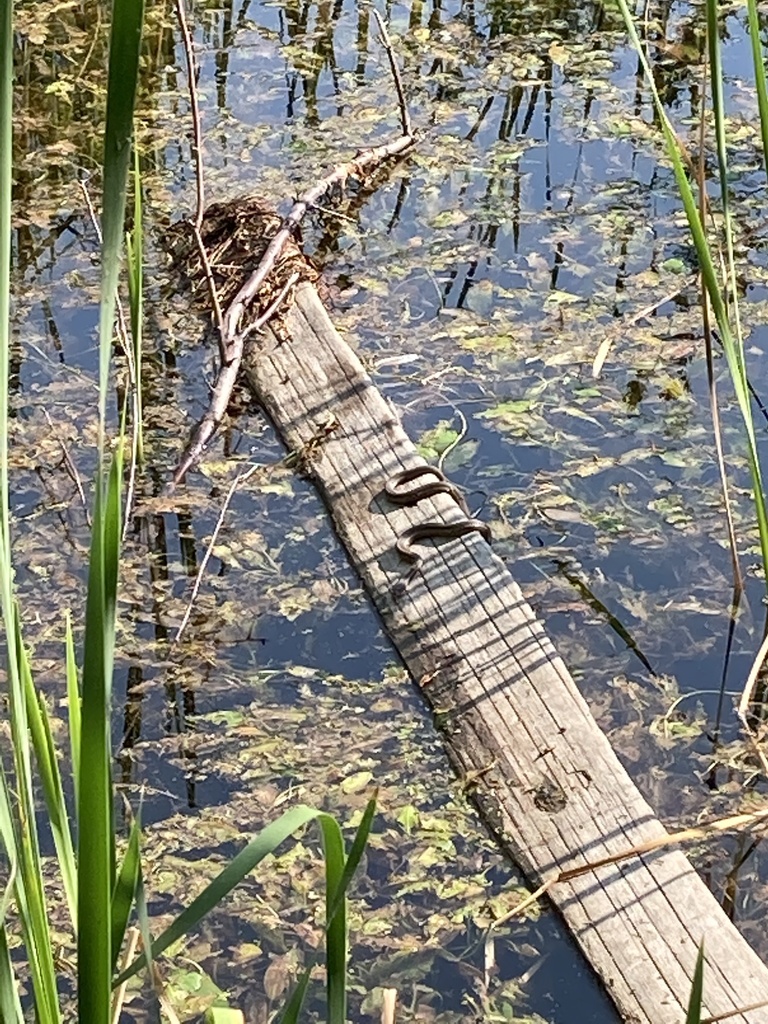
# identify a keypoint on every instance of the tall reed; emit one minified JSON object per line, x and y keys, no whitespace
{"x":715,"y":250}
{"x":716,"y":254}
{"x":101,"y":890}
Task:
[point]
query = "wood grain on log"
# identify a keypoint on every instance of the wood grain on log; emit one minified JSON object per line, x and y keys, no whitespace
{"x":544,"y":775}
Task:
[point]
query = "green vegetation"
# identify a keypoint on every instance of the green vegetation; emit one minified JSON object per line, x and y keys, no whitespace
{"x":715,"y":250}
{"x":103,"y":884}
{"x":693,"y":1016}
{"x":591,"y":482}
{"x":713,"y":232}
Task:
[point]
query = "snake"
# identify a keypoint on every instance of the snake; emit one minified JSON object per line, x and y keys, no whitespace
{"x":399,"y":493}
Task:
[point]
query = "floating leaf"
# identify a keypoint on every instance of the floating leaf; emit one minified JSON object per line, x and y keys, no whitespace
{"x":409,"y":818}
{"x":674,"y":265}
{"x":224,"y":1015}
{"x":435,"y":441}
{"x":357,"y":782}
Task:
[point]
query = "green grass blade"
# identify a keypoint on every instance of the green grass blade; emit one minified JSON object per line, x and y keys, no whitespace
{"x":756,"y":45}
{"x":357,"y":849}
{"x":716,"y":79}
{"x":336,"y":922}
{"x":10,"y":1005}
{"x":339,"y":873}
{"x":142,"y":913}
{"x":135,"y":250}
{"x":6,"y":184}
{"x":30,"y":903}
{"x":290,"y":1014}
{"x":335,"y":904}
{"x":124,"y":49}
{"x":73,"y":704}
{"x":693,"y":1015}
{"x":125,"y":891}
{"x":95,"y":831}
{"x":50,"y":778}
{"x":265,"y":843}
{"x":17,"y":814}
{"x":712,"y":285}
{"x":96,"y":856}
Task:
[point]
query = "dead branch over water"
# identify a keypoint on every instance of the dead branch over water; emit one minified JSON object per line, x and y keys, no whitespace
{"x":233,"y":325}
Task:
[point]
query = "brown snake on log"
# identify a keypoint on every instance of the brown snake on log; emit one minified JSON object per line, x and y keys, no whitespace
{"x":399,"y":493}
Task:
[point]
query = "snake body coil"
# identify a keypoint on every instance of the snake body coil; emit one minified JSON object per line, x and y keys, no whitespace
{"x":399,"y":493}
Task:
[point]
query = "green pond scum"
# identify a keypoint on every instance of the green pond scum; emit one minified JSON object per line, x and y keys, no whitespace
{"x":523,"y":287}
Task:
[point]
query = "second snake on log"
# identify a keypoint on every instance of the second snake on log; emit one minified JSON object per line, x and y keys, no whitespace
{"x":399,"y":493}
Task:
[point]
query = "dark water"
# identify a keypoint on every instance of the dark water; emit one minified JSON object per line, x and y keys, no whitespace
{"x":534,"y":221}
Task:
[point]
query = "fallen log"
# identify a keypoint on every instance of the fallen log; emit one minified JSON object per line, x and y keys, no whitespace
{"x":516,"y":727}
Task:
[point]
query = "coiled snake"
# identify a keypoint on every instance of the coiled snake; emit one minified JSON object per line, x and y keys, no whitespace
{"x":399,"y":493}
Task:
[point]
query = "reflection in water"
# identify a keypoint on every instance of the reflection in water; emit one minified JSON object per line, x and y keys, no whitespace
{"x":485,"y":269}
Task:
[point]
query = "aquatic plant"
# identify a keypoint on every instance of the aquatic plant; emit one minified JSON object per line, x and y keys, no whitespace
{"x":693,"y":1015}
{"x":102,"y":887}
{"x":715,"y":248}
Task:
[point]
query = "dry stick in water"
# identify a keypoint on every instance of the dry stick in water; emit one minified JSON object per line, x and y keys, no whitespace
{"x":746,"y":699}
{"x":735,"y":821}
{"x":388,"y":1004}
{"x":738,"y":580}
{"x":122,"y":323}
{"x":241,"y":478}
{"x":119,"y":997}
{"x":732,"y":1013}
{"x":607,"y":343}
{"x":405,"y":116}
{"x":362,"y":165}
{"x":197,"y":152}
{"x":71,"y":469}
{"x":222,"y":390}
{"x":232,"y":338}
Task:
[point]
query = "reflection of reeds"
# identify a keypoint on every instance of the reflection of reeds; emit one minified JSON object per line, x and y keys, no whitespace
{"x":101,"y":889}
{"x":717,"y":263}
{"x":716,"y":258}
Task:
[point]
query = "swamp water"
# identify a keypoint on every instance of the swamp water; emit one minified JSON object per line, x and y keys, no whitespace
{"x":535,"y":223}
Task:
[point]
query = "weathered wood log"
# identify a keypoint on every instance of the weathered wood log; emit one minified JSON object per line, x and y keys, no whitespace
{"x":544,"y":775}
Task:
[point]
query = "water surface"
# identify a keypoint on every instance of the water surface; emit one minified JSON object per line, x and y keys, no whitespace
{"x":535,"y":221}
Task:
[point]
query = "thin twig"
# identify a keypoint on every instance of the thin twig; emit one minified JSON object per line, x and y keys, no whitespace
{"x":272,"y":308}
{"x":710,"y":828}
{"x":732,"y":1013}
{"x":222,"y":389}
{"x":165,"y":1004}
{"x":197,"y":134}
{"x":122,"y":323}
{"x":405,"y":117}
{"x":72,"y":468}
{"x":241,"y":478}
{"x":119,"y":997}
{"x":456,"y":441}
{"x":607,"y":343}
{"x":361,"y":166}
{"x":197,"y":152}
{"x":131,"y":488}
{"x":231,"y":336}
{"x":746,"y":699}
{"x":388,"y":1005}
{"x":328,"y":211}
